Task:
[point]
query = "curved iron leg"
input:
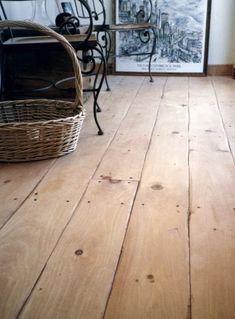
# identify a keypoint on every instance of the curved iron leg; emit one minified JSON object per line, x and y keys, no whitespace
{"x":98,"y":108}
{"x":107,"y":53}
{"x":96,"y":91}
{"x":151,"y":54}
{"x":106,"y":48}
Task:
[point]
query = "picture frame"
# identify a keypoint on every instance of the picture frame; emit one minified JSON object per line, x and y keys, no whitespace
{"x":67,"y":7}
{"x":182,"y":36}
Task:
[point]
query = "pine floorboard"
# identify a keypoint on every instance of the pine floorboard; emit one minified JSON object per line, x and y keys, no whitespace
{"x":136,"y":224}
{"x":212,"y":207}
{"x":154,"y":262}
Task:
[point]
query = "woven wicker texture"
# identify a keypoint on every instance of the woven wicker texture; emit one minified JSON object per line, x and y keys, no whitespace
{"x":36,"y":129}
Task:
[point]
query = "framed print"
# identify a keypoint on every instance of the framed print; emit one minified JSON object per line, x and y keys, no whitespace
{"x":181,"y":35}
{"x":66,"y":7}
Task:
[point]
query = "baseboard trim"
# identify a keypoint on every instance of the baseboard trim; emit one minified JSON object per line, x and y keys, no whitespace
{"x":220,"y":69}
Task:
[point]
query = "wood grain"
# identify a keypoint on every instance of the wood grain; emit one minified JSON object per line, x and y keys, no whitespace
{"x":28,"y":239}
{"x":155,"y":261}
{"x":77,"y":248}
{"x":225,"y":92}
{"x":39,"y":40}
{"x":220,"y":69}
{"x":86,"y":256}
{"x":125,"y":156}
{"x":212,"y":181}
{"x":17,"y":181}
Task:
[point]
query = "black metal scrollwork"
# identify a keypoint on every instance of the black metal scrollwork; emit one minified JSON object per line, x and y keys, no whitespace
{"x":89,"y":54}
{"x":95,"y":15}
{"x":144,"y":36}
{"x":88,"y":62}
{"x":70,"y":25}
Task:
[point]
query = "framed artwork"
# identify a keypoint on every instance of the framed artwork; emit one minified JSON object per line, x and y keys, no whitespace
{"x":182,"y":33}
{"x":66,"y":6}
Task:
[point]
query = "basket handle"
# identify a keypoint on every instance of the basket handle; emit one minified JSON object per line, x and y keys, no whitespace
{"x":67,"y":46}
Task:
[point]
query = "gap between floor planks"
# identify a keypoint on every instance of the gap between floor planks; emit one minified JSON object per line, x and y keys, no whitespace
{"x":19,"y":180}
{"x":77,"y":308}
{"x":155,"y":259}
{"x":217,"y":144}
{"x":212,"y":202}
{"x":48,"y":184}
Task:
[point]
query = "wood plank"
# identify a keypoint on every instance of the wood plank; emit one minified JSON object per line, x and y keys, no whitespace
{"x":212,"y":202}
{"x":78,"y":277}
{"x":125,"y":157}
{"x":28,"y":239}
{"x":112,"y":103}
{"x":126,"y":27}
{"x":39,"y":40}
{"x":206,"y":129}
{"x":203,"y":100}
{"x":17,"y":182}
{"x":152,"y":280}
{"x":225,"y":91}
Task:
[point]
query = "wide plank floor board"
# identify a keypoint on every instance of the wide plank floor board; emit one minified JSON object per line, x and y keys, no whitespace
{"x":136,"y":224}
{"x":225,"y":92}
{"x":17,"y":181}
{"x":35,"y":228}
{"x":86,"y":256}
{"x":125,"y":157}
{"x":212,"y":206}
{"x":155,"y":261}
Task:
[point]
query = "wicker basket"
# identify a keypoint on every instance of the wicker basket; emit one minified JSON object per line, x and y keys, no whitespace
{"x":36,"y":129}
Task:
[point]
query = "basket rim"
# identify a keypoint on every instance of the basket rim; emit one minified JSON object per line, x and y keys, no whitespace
{"x":15,"y":124}
{"x":80,"y":110}
{"x":40,"y":100}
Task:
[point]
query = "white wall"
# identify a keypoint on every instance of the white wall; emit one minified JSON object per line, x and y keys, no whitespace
{"x":222,"y":30}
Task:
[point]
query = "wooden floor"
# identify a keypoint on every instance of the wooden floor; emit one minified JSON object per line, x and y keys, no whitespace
{"x":136,"y":224}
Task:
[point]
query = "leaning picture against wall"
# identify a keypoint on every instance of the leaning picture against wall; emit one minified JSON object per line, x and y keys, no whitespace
{"x":182,"y":32}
